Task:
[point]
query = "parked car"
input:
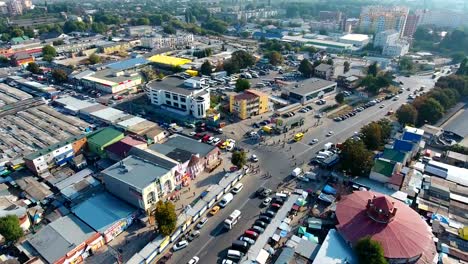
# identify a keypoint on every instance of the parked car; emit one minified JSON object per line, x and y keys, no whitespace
{"x":214,"y":210}
{"x":254,"y":158}
{"x":180,"y":245}
{"x":202,"y":223}
{"x":193,"y":235}
{"x":260,"y":224}
{"x":258,"y":229}
{"x":265,"y":219}
{"x":266,"y":202}
{"x":251,"y":234}
{"x":247,"y":239}
{"x":194,"y":260}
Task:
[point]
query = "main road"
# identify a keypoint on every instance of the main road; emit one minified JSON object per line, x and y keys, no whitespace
{"x":214,"y":241}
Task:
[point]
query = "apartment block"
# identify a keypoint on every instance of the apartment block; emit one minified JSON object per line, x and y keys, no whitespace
{"x":374,"y":19}
{"x":250,"y":103}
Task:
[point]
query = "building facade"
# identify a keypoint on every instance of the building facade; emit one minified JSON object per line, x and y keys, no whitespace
{"x":324,"y":71}
{"x":411,"y":25}
{"x":185,"y":97}
{"x":112,"y":81}
{"x":309,"y":90}
{"x":374,"y":19}
{"x":385,"y":37}
{"x":139,"y":31}
{"x":396,"y":49}
{"x":172,"y":41}
{"x":250,"y":103}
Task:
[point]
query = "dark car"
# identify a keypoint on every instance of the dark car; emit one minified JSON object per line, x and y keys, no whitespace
{"x":264,"y":219}
{"x":260,"y":224}
{"x":278,"y":201}
{"x":260,"y":191}
{"x":275,"y":207}
{"x":266,"y":192}
{"x":269,"y":213}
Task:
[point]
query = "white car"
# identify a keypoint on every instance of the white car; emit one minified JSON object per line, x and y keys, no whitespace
{"x":247,"y":239}
{"x":194,"y":260}
{"x":313,"y":141}
{"x":267,"y":201}
{"x":216,"y":141}
{"x":330,"y":133}
{"x":254,"y":158}
{"x":180,"y":245}
{"x":192,"y":133}
{"x":202,"y":223}
{"x":210,"y":140}
{"x":227,"y":261}
{"x":230,"y":146}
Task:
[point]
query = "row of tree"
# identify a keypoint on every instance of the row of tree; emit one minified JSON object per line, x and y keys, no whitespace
{"x":430,"y":107}
{"x":356,"y":153}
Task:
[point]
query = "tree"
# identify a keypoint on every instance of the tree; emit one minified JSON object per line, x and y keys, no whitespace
{"x":142,"y":21}
{"x":373,"y":69}
{"x":206,"y":68}
{"x":339,"y":98}
{"x":275,"y":58}
{"x":169,"y":29}
{"x":346,"y":66}
{"x":306,"y":68}
{"x":59,"y":76}
{"x":49,"y":50}
{"x":58,"y":42}
{"x":166,"y":217}
{"x":330,"y":61}
{"x":406,"y":65}
{"x":216,"y":25}
{"x":242,"y":84}
{"x":94,"y":59}
{"x":430,"y":111}
{"x":239,"y":158}
{"x":17,"y":32}
{"x":369,"y":251}
{"x":47,"y":58}
{"x":355,"y":158}
{"x":243,"y":58}
{"x":29,"y":32}
{"x":33,"y":68}
{"x":372,"y":135}
{"x":458,"y":57}
{"x":3,"y":60}
{"x":10,"y":228}
{"x":407,"y":114}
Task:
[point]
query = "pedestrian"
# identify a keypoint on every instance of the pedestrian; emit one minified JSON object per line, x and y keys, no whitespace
{"x":193,"y":193}
{"x":189,"y":189}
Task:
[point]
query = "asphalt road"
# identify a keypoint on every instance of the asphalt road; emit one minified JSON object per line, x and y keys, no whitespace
{"x":214,"y":241}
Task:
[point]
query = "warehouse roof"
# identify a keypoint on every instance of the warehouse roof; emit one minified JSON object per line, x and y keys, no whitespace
{"x":104,"y":135}
{"x":177,"y":143}
{"x":168,"y":60}
{"x":355,"y":37}
{"x":137,"y":172}
{"x":128,"y":64}
{"x":73,"y":104}
{"x":173,"y":84}
{"x":309,"y":85}
{"x":109,"y":114}
{"x":60,"y":237}
{"x":102,"y":211}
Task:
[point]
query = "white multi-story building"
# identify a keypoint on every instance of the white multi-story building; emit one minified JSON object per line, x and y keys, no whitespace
{"x":182,"y":96}
{"x":441,"y":18}
{"x":386,"y":37}
{"x":172,"y":41}
{"x":396,"y":49}
{"x":375,"y":19}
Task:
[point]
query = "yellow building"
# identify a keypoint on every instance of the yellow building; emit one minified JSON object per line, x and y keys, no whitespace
{"x":114,"y":47}
{"x":249,"y":103}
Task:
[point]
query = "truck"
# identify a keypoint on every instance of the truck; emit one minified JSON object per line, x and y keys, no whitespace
{"x":296,"y":172}
{"x":328,"y":146}
{"x":232,"y":219}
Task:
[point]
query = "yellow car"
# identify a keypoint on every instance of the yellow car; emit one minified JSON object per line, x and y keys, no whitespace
{"x":214,"y":210}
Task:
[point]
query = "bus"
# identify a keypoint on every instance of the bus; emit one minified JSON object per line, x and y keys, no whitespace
{"x":298,"y":137}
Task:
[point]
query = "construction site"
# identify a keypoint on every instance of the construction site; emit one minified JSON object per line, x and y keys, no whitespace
{"x":29,"y":124}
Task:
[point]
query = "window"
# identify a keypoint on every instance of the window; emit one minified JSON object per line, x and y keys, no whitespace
{"x":176,"y":105}
{"x":168,"y":95}
{"x":151,"y":198}
{"x":183,"y":99}
{"x":168,"y":102}
{"x":175,"y":97}
{"x":183,"y":106}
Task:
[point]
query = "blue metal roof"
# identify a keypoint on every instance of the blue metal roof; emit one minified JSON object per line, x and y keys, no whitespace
{"x":102,"y":211}
{"x":128,"y":64}
{"x":411,"y":137}
{"x":403,"y":145}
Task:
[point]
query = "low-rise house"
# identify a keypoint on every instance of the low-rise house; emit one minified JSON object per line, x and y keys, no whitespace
{"x":140,"y":182}
{"x":395,"y":155}
{"x":324,"y":71}
{"x":99,"y":140}
{"x":106,"y":214}
{"x":456,"y":159}
{"x":21,"y":58}
{"x":121,"y":148}
{"x":66,"y":240}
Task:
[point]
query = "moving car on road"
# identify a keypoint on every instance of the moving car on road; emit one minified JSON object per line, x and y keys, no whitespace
{"x":214,"y":210}
{"x":194,"y":260}
{"x":180,"y":245}
{"x":202,"y":223}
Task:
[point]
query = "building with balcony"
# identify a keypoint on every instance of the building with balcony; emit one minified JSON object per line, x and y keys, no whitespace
{"x":170,"y":41}
{"x":181,"y":96}
{"x":250,"y":103}
{"x":375,"y":19}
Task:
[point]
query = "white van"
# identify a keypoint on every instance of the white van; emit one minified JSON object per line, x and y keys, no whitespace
{"x":237,"y":188}
{"x":234,"y":254}
{"x":227,"y":198}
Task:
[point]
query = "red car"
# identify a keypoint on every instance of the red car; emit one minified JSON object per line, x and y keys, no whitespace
{"x":252,"y":234}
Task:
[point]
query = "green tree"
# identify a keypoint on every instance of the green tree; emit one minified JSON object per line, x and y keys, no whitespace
{"x":386,"y":129}
{"x":330,"y":61}
{"x":369,"y":251}
{"x":406,"y":65}
{"x":49,"y":50}
{"x":142,"y":21}
{"x":346,"y":66}
{"x":98,"y":27}
{"x":5,"y":37}
{"x":243,"y":58}
{"x":4,"y":60}
{"x":47,"y":58}
{"x":339,"y":97}
{"x":239,"y":158}
{"x":169,"y":29}
{"x":430,"y":111}
{"x":373,"y":69}
{"x":407,"y":114}
{"x":355,"y":158}
{"x":166,"y":217}
{"x":242,"y":84}
{"x":29,"y":32}
{"x":306,"y":68}
{"x":58,"y":42}
{"x":216,"y":25}
{"x":458,"y":57}
{"x":10,"y":228}
{"x":206,"y":68}
{"x":59,"y":75}
{"x":275,"y":58}
{"x":94,"y":59}
{"x":33,"y":68}
{"x":17,"y":32}
{"x":372,"y":135}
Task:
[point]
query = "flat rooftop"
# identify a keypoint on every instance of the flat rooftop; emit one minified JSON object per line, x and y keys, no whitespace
{"x":138,"y":172}
{"x":309,"y":85}
{"x":182,"y":148}
{"x":173,"y":84}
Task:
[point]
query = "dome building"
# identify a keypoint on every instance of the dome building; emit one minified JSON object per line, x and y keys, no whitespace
{"x":403,"y":234}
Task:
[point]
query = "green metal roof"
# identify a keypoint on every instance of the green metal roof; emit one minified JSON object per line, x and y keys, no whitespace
{"x":383,"y":167}
{"x":394,"y":155}
{"x":103,"y":136}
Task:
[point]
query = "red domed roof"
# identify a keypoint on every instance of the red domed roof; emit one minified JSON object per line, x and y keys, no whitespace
{"x":401,"y":231}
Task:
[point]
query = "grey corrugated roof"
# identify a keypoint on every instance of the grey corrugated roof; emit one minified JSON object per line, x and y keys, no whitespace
{"x":190,"y":145}
{"x":136,"y":172}
{"x":323,"y":67}
{"x":60,"y":237}
{"x":309,"y":85}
